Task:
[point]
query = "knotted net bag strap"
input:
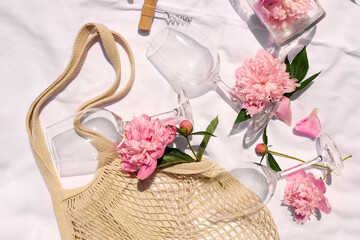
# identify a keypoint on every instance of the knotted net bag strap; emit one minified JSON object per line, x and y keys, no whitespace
{"x":85,"y":39}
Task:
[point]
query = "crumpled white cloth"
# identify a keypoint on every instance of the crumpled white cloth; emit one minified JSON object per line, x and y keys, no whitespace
{"x":36,"y":39}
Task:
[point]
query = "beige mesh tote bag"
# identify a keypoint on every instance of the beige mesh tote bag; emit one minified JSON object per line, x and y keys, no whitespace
{"x":174,"y":203}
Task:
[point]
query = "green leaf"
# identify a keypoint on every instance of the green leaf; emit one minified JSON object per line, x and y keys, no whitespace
{"x":264,"y":136}
{"x":202,"y":133}
{"x":303,"y":84}
{"x":273,"y":164}
{"x":299,"y":66}
{"x":242,"y":116}
{"x":262,"y":157}
{"x":220,"y":183}
{"x":173,"y":155}
{"x":210,"y":129}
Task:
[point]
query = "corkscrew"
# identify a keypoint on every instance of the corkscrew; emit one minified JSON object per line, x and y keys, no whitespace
{"x":147,"y":13}
{"x":175,"y":19}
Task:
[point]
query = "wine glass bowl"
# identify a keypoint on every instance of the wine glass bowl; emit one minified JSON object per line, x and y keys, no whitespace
{"x":264,"y":175}
{"x":189,"y":63}
{"x":74,"y":154}
{"x":259,"y":179}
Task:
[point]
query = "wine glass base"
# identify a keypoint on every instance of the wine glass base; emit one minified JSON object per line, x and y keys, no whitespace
{"x":259,"y":121}
{"x":330,"y":154}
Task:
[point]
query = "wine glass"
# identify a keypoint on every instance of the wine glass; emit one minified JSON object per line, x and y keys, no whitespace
{"x":190,"y":61}
{"x":262,"y":180}
{"x":74,"y":155}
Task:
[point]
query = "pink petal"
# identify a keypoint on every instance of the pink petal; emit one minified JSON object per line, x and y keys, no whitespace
{"x":155,"y":154}
{"x":325,"y":205}
{"x":128,"y":167}
{"x":146,"y":170}
{"x":299,"y":218}
{"x":296,"y":175}
{"x":170,"y":121}
{"x":310,"y":125}
{"x":133,"y":145}
{"x":320,"y":185}
{"x":284,"y":111}
{"x":311,"y":177}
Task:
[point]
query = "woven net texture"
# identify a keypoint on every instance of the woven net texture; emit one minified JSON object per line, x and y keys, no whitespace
{"x":168,"y":205}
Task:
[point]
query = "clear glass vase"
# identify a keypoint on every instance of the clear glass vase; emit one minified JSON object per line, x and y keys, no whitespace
{"x":287,"y":19}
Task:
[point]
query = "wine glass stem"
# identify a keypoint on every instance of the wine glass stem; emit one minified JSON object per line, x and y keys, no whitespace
{"x":284,"y":173}
{"x":169,"y":114}
{"x":231,"y":96}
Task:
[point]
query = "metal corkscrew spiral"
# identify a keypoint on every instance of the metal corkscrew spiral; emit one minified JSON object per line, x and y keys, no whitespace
{"x":174,"y":19}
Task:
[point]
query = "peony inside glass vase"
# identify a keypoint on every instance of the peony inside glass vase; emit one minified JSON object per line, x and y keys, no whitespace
{"x":287,"y":19}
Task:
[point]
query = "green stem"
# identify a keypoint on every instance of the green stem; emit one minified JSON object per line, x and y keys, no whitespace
{"x":331,"y":170}
{"x":327,"y":175}
{"x":347,"y":157}
{"x":298,"y":159}
{"x":284,"y":155}
{"x":187,"y":139}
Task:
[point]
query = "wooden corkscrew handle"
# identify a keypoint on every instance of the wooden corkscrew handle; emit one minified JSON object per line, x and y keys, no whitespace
{"x":147,"y":13}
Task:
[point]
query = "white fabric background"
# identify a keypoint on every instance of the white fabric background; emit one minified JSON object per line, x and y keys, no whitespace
{"x":36,"y":39}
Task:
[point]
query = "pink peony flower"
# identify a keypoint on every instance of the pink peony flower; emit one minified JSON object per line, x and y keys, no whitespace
{"x":281,"y":13}
{"x":261,"y":80}
{"x":283,"y":112}
{"x":145,"y":142}
{"x":282,"y":9}
{"x":186,"y":127}
{"x":296,"y":8}
{"x":309,"y":125}
{"x":261,"y":149}
{"x":305,"y":194}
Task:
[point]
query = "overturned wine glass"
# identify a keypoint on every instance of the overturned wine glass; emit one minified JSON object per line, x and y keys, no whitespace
{"x":190,"y":61}
{"x":74,"y":155}
{"x":262,"y":181}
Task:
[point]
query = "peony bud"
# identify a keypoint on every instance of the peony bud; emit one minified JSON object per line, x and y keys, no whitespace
{"x":261,"y":149}
{"x":310,"y":125}
{"x":186,"y":127}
